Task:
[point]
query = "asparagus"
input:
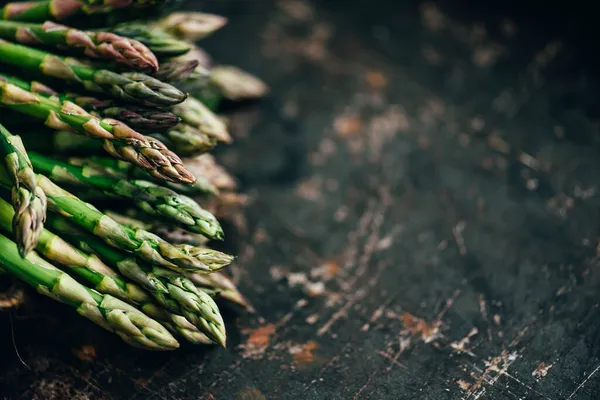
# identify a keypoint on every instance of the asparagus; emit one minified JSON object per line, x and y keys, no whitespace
{"x":172,"y":290}
{"x":107,"y":311}
{"x":186,"y":140}
{"x":132,"y":87}
{"x":200,"y":117}
{"x":191,"y":26}
{"x":225,"y":287}
{"x":161,"y":43}
{"x":101,"y":45}
{"x":176,"y":71}
{"x":235,"y":84}
{"x":172,"y":234}
{"x":118,"y":139}
{"x":139,"y":118}
{"x":103,"y":278}
{"x":149,"y":197}
{"x":28,"y":200}
{"x":208,"y":177}
{"x":144,"y":244}
{"x":44,"y":10}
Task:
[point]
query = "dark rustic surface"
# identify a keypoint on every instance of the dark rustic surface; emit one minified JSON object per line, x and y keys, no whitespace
{"x":423,"y":221}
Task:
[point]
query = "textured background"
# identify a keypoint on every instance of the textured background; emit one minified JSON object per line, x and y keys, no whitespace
{"x":423,"y":222}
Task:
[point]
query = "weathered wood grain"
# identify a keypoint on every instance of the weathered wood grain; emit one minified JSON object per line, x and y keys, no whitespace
{"x":424,"y":184}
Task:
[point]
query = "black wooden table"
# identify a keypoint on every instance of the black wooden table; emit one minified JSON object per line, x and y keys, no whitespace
{"x":423,"y":224}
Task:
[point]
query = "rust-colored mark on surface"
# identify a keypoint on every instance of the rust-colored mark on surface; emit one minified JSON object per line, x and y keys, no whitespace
{"x":250,"y":394}
{"x":419,"y":327}
{"x":304,"y":355}
{"x":541,"y":370}
{"x":461,"y":345}
{"x":463,"y":385}
{"x":376,"y":80}
{"x":348,"y":125}
{"x":87,"y":352}
{"x":326,"y":271}
{"x":258,"y":340}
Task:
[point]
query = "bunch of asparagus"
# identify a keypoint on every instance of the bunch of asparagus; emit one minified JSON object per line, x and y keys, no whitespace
{"x":122,"y":116}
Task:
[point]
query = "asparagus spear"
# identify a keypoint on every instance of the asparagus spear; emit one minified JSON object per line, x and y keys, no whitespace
{"x":103,"y":278}
{"x":208,"y":177}
{"x":200,"y":117}
{"x":191,"y":26}
{"x":172,"y":290}
{"x":144,"y":244}
{"x":107,"y":311}
{"x":235,"y":84}
{"x":28,"y":200}
{"x":101,"y":45}
{"x":149,"y":197}
{"x":132,"y":87}
{"x":186,"y":140}
{"x":139,"y":118}
{"x":44,"y":10}
{"x":225,"y":287}
{"x":172,"y":234}
{"x":118,"y":139}
{"x":176,"y":71}
{"x":161,"y":43}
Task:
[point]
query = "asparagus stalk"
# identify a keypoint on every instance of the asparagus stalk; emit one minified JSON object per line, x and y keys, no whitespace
{"x":100,"y":45}
{"x":118,"y":139}
{"x":186,"y":140}
{"x":107,"y":311}
{"x":191,"y":26}
{"x":221,"y":283}
{"x":172,"y":234}
{"x":207,"y":177}
{"x":200,"y":117}
{"x":235,"y":84}
{"x":144,"y":244}
{"x":176,"y":71}
{"x":132,"y":87}
{"x":149,"y":197}
{"x":44,"y":10}
{"x":139,"y":118}
{"x":103,"y":278}
{"x":172,"y":290}
{"x":161,"y":43}
{"x":28,"y":200}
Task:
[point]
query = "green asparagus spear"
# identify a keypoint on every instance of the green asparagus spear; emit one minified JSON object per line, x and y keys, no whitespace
{"x":132,"y":87}
{"x":161,"y":43}
{"x":100,"y":45}
{"x":45,"y":10}
{"x":172,"y":290}
{"x":144,"y":244}
{"x":173,"y":72}
{"x":186,"y":140}
{"x":172,"y":234}
{"x":104,"y":279}
{"x":118,"y":139}
{"x":221,"y":283}
{"x":139,"y":118}
{"x":149,"y":197}
{"x":107,"y":311}
{"x":191,"y":26}
{"x":28,"y":200}
{"x":200,"y":117}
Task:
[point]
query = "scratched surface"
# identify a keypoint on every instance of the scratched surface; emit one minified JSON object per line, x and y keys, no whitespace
{"x":423,"y":224}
